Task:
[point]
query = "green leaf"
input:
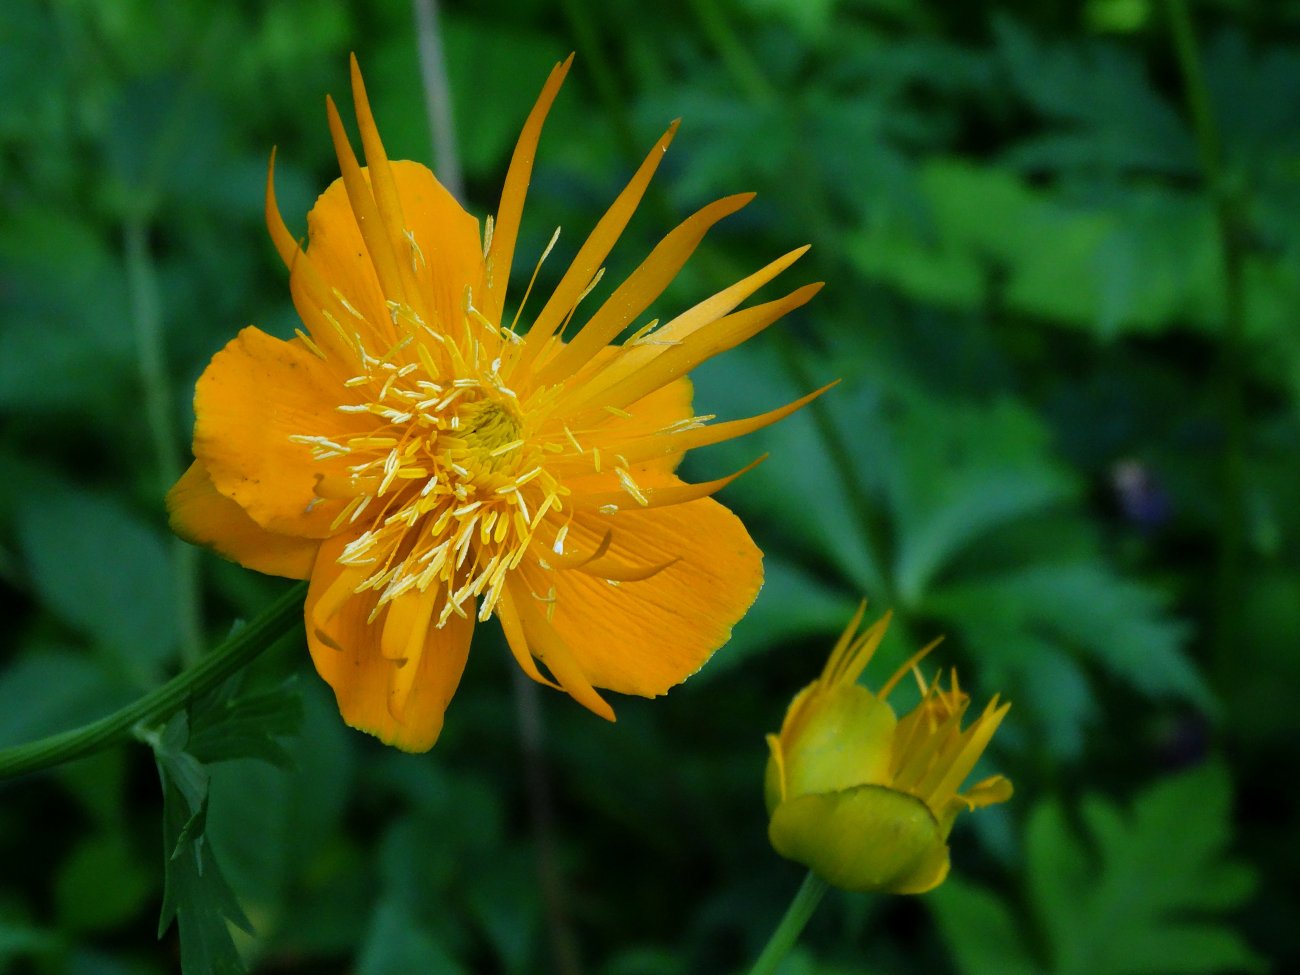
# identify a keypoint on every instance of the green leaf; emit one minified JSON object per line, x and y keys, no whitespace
{"x":65,"y":310}
{"x":1082,"y":607}
{"x":980,"y":930}
{"x":1110,"y":114}
{"x":218,"y":727}
{"x":19,"y":939}
{"x":105,"y":571}
{"x":396,"y":945}
{"x":955,"y":475}
{"x":1142,"y":900}
{"x":195,"y":894}
{"x":1140,"y":894}
{"x":224,"y":726}
{"x":276,"y":827}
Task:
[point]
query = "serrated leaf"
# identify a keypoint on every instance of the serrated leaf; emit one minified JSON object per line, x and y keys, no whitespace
{"x":195,"y":894}
{"x":224,"y":726}
{"x":1101,"y":92}
{"x":1133,"y":896}
{"x":980,"y":930}
{"x":219,"y":726}
{"x":1082,"y":607}
{"x":957,"y":473}
{"x":1132,"y":906}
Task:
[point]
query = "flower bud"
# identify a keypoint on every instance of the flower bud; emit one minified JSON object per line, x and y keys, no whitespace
{"x":867,"y":799}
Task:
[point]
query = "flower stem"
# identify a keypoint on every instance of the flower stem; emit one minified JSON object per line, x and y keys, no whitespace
{"x":742,"y":67}
{"x":146,"y":316}
{"x":1231,"y":229}
{"x":437,"y":96}
{"x":792,"y":924}
{"x":238,"y":650}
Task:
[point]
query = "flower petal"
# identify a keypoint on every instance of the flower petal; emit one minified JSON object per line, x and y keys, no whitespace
{"x":256,"y":393}
{"x":591,"y":255}
{"x":864,"y":839}
{"x":401,"y":702}
{"x":200,"y":514}
{"x":635,"y":294}
{"x":549,"y":647}
{"x":448,"y":253}
{"x":502,"y":249}
{"x":842,"y":736}
{"x":668,"y":407}
{"x":645,"y":637}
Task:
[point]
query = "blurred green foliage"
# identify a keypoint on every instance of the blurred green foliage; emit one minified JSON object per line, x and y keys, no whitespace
{"x":1026,"y":305}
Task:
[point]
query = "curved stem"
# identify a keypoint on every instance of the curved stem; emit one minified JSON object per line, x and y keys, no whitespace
{"x":1232,"y":237}
{"x":792,"y":924}
{"x":237,"y":651}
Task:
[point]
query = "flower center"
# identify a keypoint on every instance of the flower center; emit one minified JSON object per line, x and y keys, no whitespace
{"x":489,"y":435}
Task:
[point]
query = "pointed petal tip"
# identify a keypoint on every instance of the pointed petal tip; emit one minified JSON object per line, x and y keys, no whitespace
{"x":738,"y":200}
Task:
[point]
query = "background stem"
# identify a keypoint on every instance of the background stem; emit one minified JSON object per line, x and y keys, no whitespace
{"x":146,"y":318}
{"x":528,"y":712}
{"x":437,"y":97}
{"x":1230,"y":223}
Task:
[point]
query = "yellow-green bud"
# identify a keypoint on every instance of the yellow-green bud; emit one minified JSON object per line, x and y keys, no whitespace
{"x":866,"y":799}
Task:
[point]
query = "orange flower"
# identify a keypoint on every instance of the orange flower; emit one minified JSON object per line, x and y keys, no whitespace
{"x":427,"y":466}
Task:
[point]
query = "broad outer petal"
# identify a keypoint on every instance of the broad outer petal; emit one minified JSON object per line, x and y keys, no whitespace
{"x":869,"y":838}
{"x":255,"y":394}
{"x":201,"y":514}
{"x":347,"y":653}
{"x":645,"y":637}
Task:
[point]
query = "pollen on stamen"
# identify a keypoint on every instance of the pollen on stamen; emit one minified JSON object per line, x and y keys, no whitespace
{"x":415,"y":250}
{"x":307,"y":341}
{"x":642,"y":332}
{"x":631,"y":487}
{"x":347,"y":305}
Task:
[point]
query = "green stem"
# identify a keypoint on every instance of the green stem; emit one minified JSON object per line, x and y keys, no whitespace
{"x":237,"y":651}
{"x":787,"y":932}
{"x":1231,"y":230}
{"x":146,"y":315}
{"x":437,"y":96}
{"x":742,"y":67}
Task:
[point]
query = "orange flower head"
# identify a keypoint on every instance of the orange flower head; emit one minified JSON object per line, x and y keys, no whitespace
{"x":428,"y":465}
{"x":864,"y":798}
